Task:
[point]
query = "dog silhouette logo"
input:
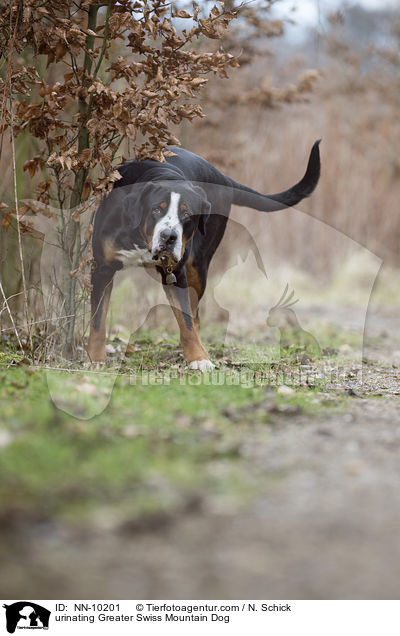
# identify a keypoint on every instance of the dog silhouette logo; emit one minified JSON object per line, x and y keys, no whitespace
{"x":26,"y":615}
{"x":283,"y":317}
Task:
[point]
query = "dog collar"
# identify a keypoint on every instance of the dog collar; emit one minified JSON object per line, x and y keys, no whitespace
{"x":170,"y":278}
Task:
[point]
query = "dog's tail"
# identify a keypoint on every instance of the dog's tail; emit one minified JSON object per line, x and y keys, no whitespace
{"x":270,"y":202}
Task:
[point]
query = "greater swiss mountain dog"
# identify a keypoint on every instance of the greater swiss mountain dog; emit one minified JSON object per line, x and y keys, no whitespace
{"x":172,"y":216}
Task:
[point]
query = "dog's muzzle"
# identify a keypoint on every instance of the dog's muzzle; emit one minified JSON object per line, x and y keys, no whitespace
{"x":165,"y":246}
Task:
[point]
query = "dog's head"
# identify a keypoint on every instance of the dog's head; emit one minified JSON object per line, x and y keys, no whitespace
{"x":170,"y":212}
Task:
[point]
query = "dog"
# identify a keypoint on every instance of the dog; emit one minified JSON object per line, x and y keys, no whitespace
{"x":171,"y":216}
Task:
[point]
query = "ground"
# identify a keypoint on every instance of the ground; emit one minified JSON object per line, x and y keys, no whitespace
{"x":191,"y":490}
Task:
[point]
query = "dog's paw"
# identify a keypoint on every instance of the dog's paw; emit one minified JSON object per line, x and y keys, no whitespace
{"x":202,"y":365}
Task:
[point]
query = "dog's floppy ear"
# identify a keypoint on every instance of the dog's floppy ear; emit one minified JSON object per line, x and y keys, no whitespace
{"x":147,"y":187}
{"x":205,"y":215}
{"x":133,"y":207}
{"x":205,"y":210}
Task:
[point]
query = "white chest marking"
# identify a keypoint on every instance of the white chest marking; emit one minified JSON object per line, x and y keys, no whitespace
{"x":170,"y":221}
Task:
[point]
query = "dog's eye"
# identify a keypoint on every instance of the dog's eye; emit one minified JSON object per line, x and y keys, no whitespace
{"x":186,"y":215}
{"x":157,"y":212}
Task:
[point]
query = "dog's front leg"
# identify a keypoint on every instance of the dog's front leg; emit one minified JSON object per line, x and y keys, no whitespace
{"x":179,"y":299}
{"x":102,"y":282}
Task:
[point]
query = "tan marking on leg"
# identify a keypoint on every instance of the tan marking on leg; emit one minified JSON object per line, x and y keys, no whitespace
{"x":195,"y":290}
{"x":109,"y":250}
{"x":193,"y":280}
{"x":190,"y":338}
{"x":97,"y":337}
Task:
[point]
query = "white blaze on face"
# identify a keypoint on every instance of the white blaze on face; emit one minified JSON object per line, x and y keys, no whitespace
{"x":170,"y":221}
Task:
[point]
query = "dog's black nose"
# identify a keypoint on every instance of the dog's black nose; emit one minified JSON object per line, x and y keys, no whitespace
{"x":168,"y":236}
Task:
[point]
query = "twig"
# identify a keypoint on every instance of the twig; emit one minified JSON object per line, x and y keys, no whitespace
{"x":11,"y":317}
{"x":4,"y":308}
{"x":104,"y":46}
{"x":7,"y":81}
{"x":38,"y":322}
{"x":26,"y":308}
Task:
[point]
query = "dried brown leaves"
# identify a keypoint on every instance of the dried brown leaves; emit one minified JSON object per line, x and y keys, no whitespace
{"x":126,"y":71}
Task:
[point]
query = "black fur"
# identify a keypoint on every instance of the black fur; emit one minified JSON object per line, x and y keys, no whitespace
{"x":120,"y":215}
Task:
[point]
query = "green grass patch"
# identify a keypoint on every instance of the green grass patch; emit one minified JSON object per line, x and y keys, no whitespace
{"x":151,"y":450}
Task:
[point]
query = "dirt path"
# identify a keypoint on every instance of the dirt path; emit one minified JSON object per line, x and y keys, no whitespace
{"x":327,"y":527}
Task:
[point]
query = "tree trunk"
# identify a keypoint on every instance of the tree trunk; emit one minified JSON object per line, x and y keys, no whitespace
{"x":72,"y":238}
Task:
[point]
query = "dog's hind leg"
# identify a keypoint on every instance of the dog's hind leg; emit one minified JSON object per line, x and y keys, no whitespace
{"x":184,"y":304}
{"x":102,"y":282}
